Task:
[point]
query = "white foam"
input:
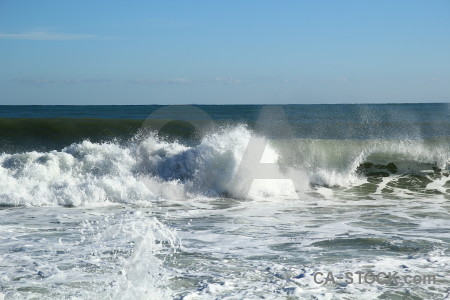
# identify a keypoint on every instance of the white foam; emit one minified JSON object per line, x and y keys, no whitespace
{"x":111,"y":253}
{"x":141,"y":172}
{"x":150,"y":169}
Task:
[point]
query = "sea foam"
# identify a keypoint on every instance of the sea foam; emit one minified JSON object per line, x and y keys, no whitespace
{"x":149,"y":168}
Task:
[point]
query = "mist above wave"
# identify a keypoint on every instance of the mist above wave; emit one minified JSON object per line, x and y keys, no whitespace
{"x":150,"y":168}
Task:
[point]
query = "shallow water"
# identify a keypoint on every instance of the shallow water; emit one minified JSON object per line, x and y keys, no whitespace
{"x":217,"y":248}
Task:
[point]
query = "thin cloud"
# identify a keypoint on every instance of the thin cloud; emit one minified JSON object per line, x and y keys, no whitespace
{"x":162,"y":81}
{"x":227,"y":80}
{"x":293,"y":80}
{"x":61,"y":81}
{"x":45,"y":36}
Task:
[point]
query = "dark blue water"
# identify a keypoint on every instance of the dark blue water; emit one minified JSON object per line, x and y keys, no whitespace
{"x":300,"y":113}
{"x":336,"y":121}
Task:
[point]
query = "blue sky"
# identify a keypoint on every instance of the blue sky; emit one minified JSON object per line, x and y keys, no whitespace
{"x":224,"y":52}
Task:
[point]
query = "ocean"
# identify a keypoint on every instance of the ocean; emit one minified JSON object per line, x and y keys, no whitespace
{"x":225,"y":202}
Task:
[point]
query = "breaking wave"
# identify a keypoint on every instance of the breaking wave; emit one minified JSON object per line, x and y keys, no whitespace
{"x":151,"y":168}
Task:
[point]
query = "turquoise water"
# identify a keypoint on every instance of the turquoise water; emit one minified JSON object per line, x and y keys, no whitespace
{"x":147,"y":202}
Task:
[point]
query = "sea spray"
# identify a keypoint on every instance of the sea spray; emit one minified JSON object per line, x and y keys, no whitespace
{"x":150,"y":168}
{"x":102,"y":253}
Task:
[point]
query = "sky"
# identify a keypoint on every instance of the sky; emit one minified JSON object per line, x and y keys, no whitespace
{"x":224,"y":52}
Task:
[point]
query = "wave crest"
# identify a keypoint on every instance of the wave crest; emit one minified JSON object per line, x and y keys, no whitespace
{"x":152,"y":168}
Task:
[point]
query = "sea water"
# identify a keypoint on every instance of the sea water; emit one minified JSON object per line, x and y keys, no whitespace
{"x":95,"y":204}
